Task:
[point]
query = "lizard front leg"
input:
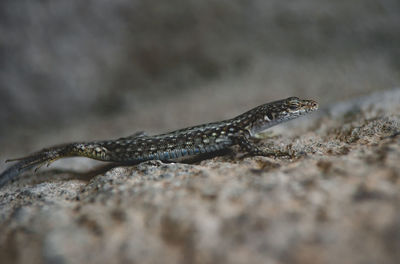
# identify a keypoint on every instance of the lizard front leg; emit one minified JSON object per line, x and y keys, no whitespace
{"x":246,"y":145}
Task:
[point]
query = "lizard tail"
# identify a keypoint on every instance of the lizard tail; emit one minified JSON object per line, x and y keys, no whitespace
{"x":47,"y":156}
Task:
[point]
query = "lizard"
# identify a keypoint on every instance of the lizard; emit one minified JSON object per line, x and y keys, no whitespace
{"x":176,"y":145}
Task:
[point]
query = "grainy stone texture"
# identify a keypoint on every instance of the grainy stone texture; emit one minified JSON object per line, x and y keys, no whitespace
{"x":336,"y":199}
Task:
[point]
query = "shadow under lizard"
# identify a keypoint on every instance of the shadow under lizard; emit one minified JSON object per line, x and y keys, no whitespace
{"x":176,"y":145}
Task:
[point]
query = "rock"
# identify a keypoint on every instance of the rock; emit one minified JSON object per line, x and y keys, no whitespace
{"x":334,"y":198}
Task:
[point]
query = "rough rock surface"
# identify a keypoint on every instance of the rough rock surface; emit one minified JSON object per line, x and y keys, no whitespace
{"x":334,"y":199}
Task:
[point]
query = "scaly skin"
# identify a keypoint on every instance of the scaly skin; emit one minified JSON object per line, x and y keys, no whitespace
{"x":176,"y":145}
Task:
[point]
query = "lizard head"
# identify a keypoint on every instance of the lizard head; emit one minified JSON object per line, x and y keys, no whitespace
{"x":293,"y":107}
{"x":274,"y":113}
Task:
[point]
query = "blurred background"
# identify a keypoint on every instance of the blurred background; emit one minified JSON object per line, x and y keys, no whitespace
{"x":84,"y":70}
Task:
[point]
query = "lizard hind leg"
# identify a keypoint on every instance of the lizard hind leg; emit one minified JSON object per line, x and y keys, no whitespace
{"x":38,"y":159}
{"x":93,"y":150}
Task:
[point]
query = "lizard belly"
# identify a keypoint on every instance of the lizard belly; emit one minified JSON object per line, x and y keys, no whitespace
{"x":179,"y":154}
